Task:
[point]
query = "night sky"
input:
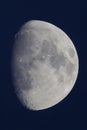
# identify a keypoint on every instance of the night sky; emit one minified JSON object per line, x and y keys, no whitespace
{"x":71,"y":17}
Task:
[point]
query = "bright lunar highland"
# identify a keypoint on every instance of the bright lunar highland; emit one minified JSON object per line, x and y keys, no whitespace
{"x":44,"y":65}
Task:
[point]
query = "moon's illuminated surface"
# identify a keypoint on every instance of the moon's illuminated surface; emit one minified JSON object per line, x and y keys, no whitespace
{"x":44,"y":65}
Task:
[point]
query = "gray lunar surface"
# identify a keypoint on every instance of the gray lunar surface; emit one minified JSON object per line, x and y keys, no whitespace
{"x":44,"y":65}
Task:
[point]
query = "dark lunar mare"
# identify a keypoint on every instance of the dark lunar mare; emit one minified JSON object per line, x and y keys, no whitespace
{"x":56,"y":59}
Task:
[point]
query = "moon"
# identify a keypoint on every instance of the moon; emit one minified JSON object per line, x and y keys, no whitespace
{"x":44,"y":65}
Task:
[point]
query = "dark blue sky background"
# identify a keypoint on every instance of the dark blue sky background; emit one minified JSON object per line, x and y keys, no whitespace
{"x":70,"y":16}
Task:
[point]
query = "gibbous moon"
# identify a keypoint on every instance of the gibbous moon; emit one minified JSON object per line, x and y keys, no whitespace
{"x":44,"y":65}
